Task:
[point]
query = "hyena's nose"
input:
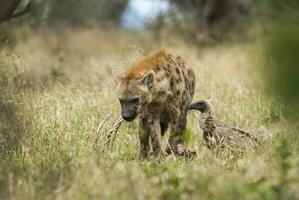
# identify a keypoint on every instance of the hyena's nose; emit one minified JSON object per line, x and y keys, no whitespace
{"x":128,"y":117}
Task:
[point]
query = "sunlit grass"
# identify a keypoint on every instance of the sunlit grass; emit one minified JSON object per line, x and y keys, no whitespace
{"x":58,"y":88}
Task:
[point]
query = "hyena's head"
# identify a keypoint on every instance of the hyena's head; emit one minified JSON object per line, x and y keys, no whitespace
{"x":133,"y":93}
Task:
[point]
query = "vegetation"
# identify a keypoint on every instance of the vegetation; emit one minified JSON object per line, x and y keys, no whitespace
{"x":56,"y":89}
{"x":58,"y":65}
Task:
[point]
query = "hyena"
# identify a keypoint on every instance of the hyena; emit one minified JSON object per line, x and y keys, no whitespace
{"x":158,"y":89}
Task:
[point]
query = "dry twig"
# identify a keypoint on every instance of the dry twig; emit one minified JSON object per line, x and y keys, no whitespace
{"x":114,"y":130}
{"x":108,"y":136}
{"x":97,"y":137}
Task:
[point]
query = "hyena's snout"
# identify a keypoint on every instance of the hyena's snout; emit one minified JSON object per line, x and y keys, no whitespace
{"x":129,"y":112}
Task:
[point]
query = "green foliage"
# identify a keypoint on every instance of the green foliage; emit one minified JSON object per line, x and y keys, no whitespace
{"x":7,"y":37}
{"x":281,"y":48}
{"x":275,"y":8}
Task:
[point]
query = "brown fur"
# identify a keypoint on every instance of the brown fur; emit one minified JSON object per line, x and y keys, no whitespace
{"x":139,"y":69}
{"x":163,"y":101}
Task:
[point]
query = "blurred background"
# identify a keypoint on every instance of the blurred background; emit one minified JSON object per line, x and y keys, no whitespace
{"x":197,"y":23}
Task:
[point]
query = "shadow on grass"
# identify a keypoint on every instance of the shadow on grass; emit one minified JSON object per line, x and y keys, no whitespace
{"x":11,"y":132}
{"x":11,"y":128}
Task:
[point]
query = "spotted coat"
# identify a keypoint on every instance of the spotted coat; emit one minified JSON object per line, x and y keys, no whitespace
{"x":165,"y":101}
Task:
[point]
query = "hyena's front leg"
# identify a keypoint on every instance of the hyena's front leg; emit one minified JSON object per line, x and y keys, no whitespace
{"x":150,"y":127}
{"x":155,"y":133}
{"x":144,"y":143}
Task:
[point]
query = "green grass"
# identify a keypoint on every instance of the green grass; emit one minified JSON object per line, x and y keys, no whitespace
{"x":55,"y":91}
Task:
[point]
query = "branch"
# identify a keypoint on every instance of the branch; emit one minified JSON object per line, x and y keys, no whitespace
{"x":97,"y":137}
{"x":114,"y":130}
{"x":108,"y":136}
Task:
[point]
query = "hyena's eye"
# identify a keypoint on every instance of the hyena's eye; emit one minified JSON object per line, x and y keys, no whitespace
{"x":135,"y":100}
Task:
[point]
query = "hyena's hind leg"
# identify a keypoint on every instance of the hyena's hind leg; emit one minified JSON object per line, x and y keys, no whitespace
{"x":155,"y":133}
{"x":164,"y":123}
{"x":178,"y":129}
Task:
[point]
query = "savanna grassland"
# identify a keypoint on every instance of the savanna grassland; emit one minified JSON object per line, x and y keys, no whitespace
{"x":57,"y":88}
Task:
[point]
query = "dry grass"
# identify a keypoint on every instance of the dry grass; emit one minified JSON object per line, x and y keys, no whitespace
{"x":56,"y":89}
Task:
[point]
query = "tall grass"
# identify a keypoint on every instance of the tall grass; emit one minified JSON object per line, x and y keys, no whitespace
{"x":56,"y":89}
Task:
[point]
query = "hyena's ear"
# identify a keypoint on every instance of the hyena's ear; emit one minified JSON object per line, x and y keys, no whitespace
{"x":148,"y":79}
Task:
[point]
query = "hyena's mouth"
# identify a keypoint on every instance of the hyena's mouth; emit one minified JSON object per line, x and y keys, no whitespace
{"x":130,"y":112}
{"x":129,"y":115}
{"x":129,"y":119}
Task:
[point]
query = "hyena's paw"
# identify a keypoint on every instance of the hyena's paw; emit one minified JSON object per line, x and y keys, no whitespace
{"x":179,"y":150}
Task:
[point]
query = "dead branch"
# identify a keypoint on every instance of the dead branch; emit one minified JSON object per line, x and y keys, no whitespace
{"x":109,"y":136}
{"x":97,"y":137}
{"x":113,"y":132}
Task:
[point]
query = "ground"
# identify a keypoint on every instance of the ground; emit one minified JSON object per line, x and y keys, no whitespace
{"x":56,"y":89}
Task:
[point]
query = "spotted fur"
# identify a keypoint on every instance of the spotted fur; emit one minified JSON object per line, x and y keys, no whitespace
{"x":164,"y":100}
